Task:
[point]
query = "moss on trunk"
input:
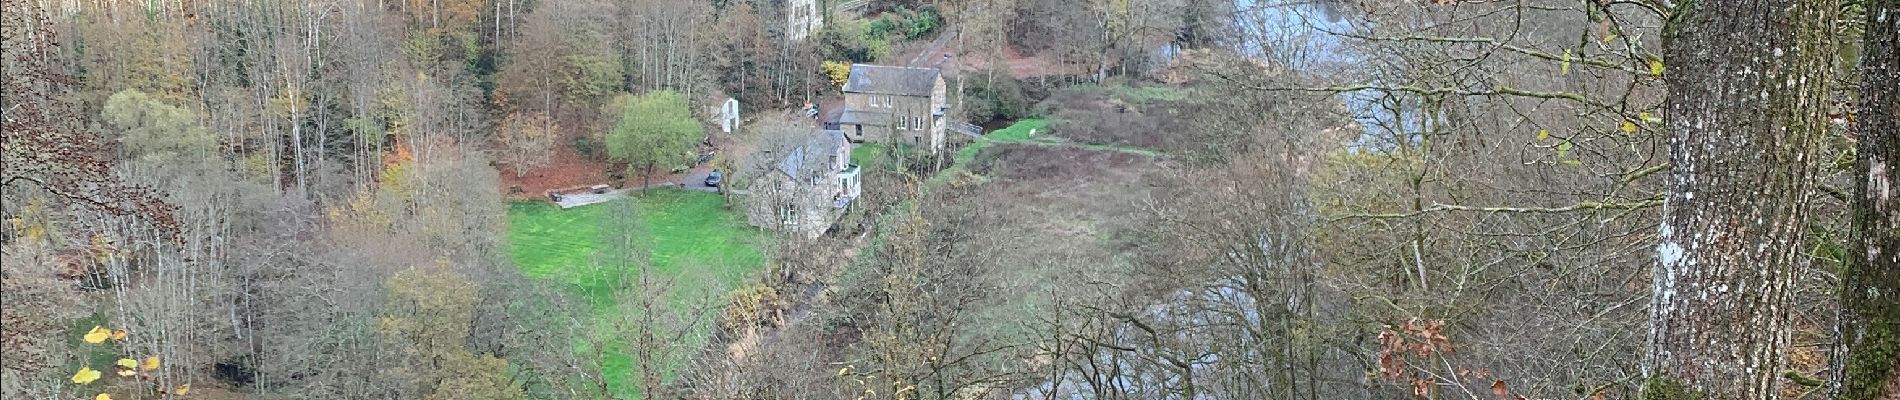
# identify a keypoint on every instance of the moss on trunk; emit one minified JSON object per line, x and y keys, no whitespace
{"x":1661,"y":388}
{"x":1872,"y":360}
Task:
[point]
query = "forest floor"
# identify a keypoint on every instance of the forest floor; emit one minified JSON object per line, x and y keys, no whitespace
{"x":694,"y":239}
{"x":567,"y":167}
{"x":942,"y":52}
{"x":1014,"y":60}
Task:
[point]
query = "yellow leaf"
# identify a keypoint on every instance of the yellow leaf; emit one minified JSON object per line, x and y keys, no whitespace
{"x":1628,"y":127}
{"x":1647,"y":118}
{"x":85,"y":375}
{"x":182,"y":389}
{"x":1543,"y":134}
{"x":97,"y":335}
{"x":128,"y":372}
{"x":127,"y":363}
{"x":1608,"y":38}
{"x":842,"y":371}
{"x":102,"y":396}
{"x":1655,"y":67}
{"x":118,"y":334}
{"x":151,"y":363}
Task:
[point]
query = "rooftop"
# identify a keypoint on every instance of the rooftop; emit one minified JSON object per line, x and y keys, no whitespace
{"x":823,"y":141}
{"x":881,"y":79}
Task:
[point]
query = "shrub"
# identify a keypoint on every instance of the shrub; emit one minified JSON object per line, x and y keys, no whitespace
{"x":880,"y":29}
{"x":586,"y":146}
{"x":923,"y":23}
{"x":999,"y":99}
{"x":851,"y":42}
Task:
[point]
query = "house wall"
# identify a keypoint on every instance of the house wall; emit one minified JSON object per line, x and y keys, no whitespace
{"x":939,"y":100}
{"x":768,"y":195}
{"x":841,"y":158}
{"x":857,"y":101}
{"x":912,"y":118}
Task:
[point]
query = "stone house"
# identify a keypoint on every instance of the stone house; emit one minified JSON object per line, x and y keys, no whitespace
{"x":807,"y":187}
{"x":900,"y":105}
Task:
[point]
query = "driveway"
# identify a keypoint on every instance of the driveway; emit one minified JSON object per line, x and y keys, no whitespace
{"x":572,"y":200}
{"x":695,"y":179}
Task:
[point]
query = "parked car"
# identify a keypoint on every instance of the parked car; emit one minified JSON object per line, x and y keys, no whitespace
{"x":713,"y":180}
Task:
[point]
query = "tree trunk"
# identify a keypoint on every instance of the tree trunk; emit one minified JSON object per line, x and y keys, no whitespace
{"x":1870,"y":323}
{"x":1746,"y":109}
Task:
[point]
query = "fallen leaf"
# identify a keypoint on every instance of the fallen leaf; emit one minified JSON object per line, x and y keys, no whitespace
{"x":127,"y":363}
{"x":1543,"y":134}
{"x":128,"y":372}
{"x":102,"y":396}
{"x":182,"y":389}
{"x":118,"y":334}
{"x":85,"y":375}
{"x":151,"y":363}
{"x":97,"y":335}
{"x":1655,"y":67}
{"x":1628,"y":127}
{"x":1503,"y":392}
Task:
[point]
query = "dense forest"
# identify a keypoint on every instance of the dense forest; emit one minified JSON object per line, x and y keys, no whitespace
{"x":1097,"y":199}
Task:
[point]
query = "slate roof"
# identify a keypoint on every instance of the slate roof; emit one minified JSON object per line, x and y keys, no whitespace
{"x":853,"y":117}
{"x":826,"y":140}
{"x":834,"y":138}
{"x":881,"y":79}
{"x":792,"y":161}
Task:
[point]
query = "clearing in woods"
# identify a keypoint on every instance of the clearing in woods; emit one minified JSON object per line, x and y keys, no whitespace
{"x":685,"y":230}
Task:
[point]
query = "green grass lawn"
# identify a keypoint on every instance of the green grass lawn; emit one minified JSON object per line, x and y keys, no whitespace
{"x":878,"y":156}
{"x":1020,"y":130}
{"x":684,"y":229}
{"x":865,"y":153}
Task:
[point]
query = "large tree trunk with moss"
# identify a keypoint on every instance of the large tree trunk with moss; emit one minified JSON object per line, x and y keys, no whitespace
{"x":1747,"y":86}
{"x":1870,"y":321}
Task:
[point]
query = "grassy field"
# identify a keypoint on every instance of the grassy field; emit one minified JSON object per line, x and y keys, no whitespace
{"x":684,"y":229}
{"x":1020,"y":130}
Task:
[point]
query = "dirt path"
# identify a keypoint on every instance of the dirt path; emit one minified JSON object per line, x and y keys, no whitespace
{"x":934,"y":54}
{"x":566,"y":167}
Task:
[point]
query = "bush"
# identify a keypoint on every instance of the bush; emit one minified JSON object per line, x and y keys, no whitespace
{"x":880,"y":29}
{"x":586,"y":146}
{"x":1000,"y":99}
{"x":913,"y":25}
{"x":923,"y":23}
{"x":852,"y":42}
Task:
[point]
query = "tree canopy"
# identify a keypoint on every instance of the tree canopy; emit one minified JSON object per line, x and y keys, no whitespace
{"x":154,"y":131}
{"x":654,"y":129}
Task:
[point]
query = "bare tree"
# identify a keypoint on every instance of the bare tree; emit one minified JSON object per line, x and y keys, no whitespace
{"x":527,"y":141}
